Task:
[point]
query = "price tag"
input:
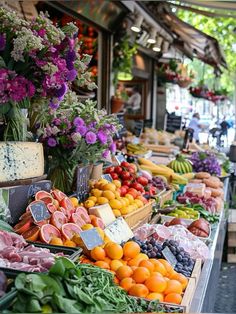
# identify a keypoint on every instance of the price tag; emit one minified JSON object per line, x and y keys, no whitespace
{"x":107,"y":177}
{"x":39,"y":211}
{"x":91,"y":238}
{"x":169,"y":256}
{"x":119,"y":231}
{"x":119,"y":159}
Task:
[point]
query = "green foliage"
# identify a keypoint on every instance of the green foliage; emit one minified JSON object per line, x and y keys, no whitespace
{"x":223,"y":30}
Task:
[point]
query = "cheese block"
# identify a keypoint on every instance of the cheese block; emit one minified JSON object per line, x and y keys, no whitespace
{"x":20,"y":160}
{"x":196,"y":188}
{"x":104,"y":212}
{"x":119,"y":231}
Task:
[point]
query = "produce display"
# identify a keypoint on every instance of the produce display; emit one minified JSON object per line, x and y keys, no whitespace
{"x":181,"y":165}
{"x":200,"y":227}
{"x":180,"y":211}
{"x":136,"y":149}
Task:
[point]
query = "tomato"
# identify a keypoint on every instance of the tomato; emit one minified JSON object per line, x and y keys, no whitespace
{"x":118,"y":170}
{"x":31,"y":234}
{"x":23,"y":225}
{"x":131,"y":170}
{"x":134,"y":167}
{"x":127,"y":182}
{"x":133,"y":192}
{"x":114,"y":176}
{"x":125,"y":175}
{"x":109,"y":170}
{"x":125,"y":164}
{"x":123,"y":190}
{"x":137,"y":186}
{"x":142,"y":180}
{"x":67,"y":204}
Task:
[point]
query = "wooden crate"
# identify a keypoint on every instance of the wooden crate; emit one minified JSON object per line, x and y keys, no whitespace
{"x":165,"y":196}
{"x":231,"y":251}
{"x":187,"y":296}
{"x":197,"y":270}
{"x":140,"y":216}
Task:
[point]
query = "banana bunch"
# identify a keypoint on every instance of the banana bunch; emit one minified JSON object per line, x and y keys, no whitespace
{"x":136,"y":149}
{"x":162,"y":170}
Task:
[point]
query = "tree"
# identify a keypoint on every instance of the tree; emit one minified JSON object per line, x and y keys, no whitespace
{"x":224,"y":30}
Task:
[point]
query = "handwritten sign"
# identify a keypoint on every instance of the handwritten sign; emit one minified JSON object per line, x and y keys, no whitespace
{"x":39,"y":211}
{"x":107,"y":177}
{"x":91,"y":238}
{"x":119,"y":231}
{"x":169,"y":256}
{"x":119,"y":159}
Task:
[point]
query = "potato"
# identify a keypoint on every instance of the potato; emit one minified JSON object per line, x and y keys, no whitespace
{"x":215,"y":192}
{"x":202,"y":175}
{"x":211,"y":183}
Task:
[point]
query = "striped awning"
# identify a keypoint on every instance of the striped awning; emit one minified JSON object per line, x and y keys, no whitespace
{"x":191,"y":41}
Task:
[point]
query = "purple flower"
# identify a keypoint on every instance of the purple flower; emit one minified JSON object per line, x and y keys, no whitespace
{"x":70,"y":65}
{"x":62,"y":90}
{"x":81,"y":130}
{"x":56,"y":121}
{"x":112,"y":147}
{"x":70,"y":56}
{"x":52,"y":142}
{"x":2,"y":42}
{"x":42,"y":32}
{"x":71,"y":75}
{"x":102,"y":137}
{"x":106,"y":153}
{"x":31,"y":89}
{"x":78,"y":122}
{"x":53,"y":105}
{"x":90,"y":137}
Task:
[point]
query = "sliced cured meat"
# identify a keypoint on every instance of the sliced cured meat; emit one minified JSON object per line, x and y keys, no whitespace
{"x":83,"y":213}
{"x":58,"y":219}
{"x":76,"y":218}
{"x":47,"y":232}
{"x":69,"y":230}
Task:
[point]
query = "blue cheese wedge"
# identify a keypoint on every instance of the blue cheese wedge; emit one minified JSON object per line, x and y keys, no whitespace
{"x":20,"y":160}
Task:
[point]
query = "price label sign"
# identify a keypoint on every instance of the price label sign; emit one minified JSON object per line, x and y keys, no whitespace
{"x":119,"y":159}
{"x":39,"y":211}
{"x":169,"y":256}
{"x":91,"y":238}
{"x":107,"y":177}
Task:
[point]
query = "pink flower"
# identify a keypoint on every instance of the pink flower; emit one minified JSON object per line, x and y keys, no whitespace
{"x":52,"y":142}
{"x":90,"y":137}
{"x":102,"y":137}
{"x":112,"y":147}
{"x":82,"y":129}
{"x":106,"y":153}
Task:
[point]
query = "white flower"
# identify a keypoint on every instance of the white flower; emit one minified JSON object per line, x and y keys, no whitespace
{"x":55,"y":130}
{"x":76,"y":137}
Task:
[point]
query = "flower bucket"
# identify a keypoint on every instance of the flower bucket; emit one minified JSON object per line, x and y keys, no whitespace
{"x":116,"y":104}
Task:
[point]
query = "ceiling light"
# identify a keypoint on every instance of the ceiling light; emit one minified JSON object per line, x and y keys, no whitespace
{"x":152,"y":38}
{"x":165,"y":46}
{"x":136,"y":27}
{"x":157,"y":46}
{"x":124,"y":76}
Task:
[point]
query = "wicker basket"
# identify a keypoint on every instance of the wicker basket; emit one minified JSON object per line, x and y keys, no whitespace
{"x":140,"y":216}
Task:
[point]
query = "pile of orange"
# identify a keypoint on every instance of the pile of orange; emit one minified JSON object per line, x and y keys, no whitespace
{"x":138,"y":275}
{"x":104,"y":192}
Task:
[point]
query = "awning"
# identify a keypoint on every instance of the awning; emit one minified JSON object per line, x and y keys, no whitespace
{"x":191,"y":41}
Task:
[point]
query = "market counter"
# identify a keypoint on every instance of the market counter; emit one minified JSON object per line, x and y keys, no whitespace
{"x":205,"y":294}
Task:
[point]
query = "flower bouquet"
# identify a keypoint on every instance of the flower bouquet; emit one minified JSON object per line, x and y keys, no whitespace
{"x":73,"y":134}
{"x":37,"y":61}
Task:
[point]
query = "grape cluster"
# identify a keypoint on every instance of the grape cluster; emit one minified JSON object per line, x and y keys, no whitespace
{"x":153,"y":249}
{"x":159,"y":183}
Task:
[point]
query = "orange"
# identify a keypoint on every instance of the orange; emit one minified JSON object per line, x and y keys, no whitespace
{"x":125,"y":210}
{"x":117,"y":183}
{"x":156,"y":296}
{"x":92,"y":198}
{"x":158,"y":266}
{"x":109,"y":187}
{"x":141,"y":274}
{"x":102,"y":264}
{"x":87,"y":227}
{"x":69,"y":243}
{"x":173,"y":286}
{"x":134,"y":267}
{"x":182,"y":279}
{"x":157,"y":274}
{"x":56,"y":241}
{"x":135,"y":261}
{"x":173,"y":298}
{"x":116,"y":212}
{"x":102,"y":200}
{"x":127,"y":283}
{"x":115,"y":264}
{"x":139,"y":290}
{"x":167,"y":266}
{"x":116,"y":280}
{"x":156,"y":283}
{"x":131,"y":249}
{"x":74,"y":201}
{"x":98,"y":254}
{"x":115,"y":204}
{"x":114,"y":250}
{"x":89,"y":203}
{"x":107,"y":260}
{"x":109,"y":195}
{"x":125,"y":201}
{"x":147,"y":264}
{"x":96,"y":192}
{"x":124,"y":272}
